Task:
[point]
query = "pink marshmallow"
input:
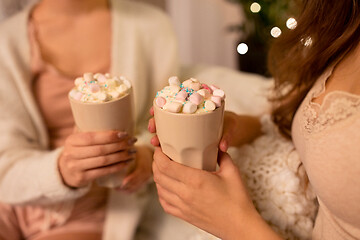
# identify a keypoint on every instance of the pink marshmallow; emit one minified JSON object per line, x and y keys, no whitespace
{"x":204,"y":86}
{"x":196,"y":98}
{"x":160,"y":101}
{"x":181,"y":96}
{"x":216,"y":100}
{"x":213,"y":87}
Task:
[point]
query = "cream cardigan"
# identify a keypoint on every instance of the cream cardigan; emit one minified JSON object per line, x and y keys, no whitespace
{"x":143,"y":48}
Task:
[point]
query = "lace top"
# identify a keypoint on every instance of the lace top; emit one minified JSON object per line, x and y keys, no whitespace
{"x":327,"y":138}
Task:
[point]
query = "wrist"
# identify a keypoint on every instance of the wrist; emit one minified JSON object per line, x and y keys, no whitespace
{"x":249,"y":225}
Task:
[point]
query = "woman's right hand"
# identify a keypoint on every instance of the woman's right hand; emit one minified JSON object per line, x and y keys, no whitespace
{"x":91,"y":155}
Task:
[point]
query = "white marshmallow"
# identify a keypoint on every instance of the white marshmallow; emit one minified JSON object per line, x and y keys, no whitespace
{"x":102,"y":96}
{"x":219,"y":93}
{"x":189,"y":108}
{"x":187,"y":83}
{"x":114,"y":94}
{"x":204,"y":93}
{"x":122,"y":89}
{"x":88,"y":77}
{"x":174,"y":81}
{"x":173,"y":107}
{"x":100,"y":77}
{"x":79,"y":81}
{"x":127,"y":83}
{"x":209,"y":105}
{"x":107,"y":75}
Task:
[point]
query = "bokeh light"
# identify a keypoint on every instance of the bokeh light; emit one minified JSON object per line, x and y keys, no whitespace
{"x":255,"y":7}
{"x":242,"y":48}
{"x":275,"y":32}
{"x":291,"y":23}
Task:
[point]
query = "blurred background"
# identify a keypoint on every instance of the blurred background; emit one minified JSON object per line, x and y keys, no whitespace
{"x":230,"y":33}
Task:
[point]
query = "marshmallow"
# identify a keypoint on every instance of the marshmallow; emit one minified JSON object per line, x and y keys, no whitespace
{"x":88,"y":77}
{"x":216,"y":100}
{"x":204,"y":93}
{"x":173,"y":107}
{"x":127,"y":83}
{"x":196,"y":98}
{"x":181,"y":96}
{"x":209,"y":105}
{"x":101,"y":78}
{"x":195,"y":86}
{"x":205,"y":86}
{"x":160,"y":101}
{"x":174,"y":81}
{"x":187,"y":83}
{"x":213,"y":87}
{"x":189,"y":108}
{"x":174,"y":89}
{"x":122,"y":88}
{"x":79,"y":81}
{"x":107,"y":75}
{"x":94,"y":88}
{"x":219,"y":93}
{"x":102,"y":96}
{"x":114,"y":94}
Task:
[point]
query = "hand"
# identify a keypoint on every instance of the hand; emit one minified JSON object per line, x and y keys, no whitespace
{"x":142,"y":172}
{"x":91,"y":155}
{"x":216,"y":202}
{"x":207,"y":200}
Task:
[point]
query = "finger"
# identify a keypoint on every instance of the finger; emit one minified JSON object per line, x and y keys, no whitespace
{"x":101,"y":172}
{"x":99,"y":150}
{"x":165,"y":181}
{"x":107,"y":160}
{"x":151,"y":125}
{"x":151,"y":111}
{"x":169,"y":209}
{"x":223,"y":146}
{"x":95,"y":138}
{"x":175,"y":170}
{"x":169,"y":197}
{"x":155,"y":141}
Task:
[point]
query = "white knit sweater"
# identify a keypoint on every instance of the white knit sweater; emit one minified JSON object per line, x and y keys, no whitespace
{"x":144,"y":50}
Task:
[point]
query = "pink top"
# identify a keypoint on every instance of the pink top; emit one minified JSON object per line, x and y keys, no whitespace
{"x":327,"y":138}
{"x":51,"y":93}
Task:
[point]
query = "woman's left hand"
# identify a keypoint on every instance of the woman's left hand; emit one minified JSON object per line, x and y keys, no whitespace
{"x":141,"y":173}
{"x":214,"y":201}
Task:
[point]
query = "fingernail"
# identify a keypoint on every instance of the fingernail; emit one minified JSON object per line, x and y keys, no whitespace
{"x":132,"y":141}
{"x":132,"y":150}
{"x":122,"y":135}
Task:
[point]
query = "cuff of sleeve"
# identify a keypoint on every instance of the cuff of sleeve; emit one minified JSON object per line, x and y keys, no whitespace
{"x":50,"y":182}
{"x":144,"y":139}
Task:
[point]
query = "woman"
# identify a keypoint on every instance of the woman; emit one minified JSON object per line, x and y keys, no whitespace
{"x":47,"y":169}
{"x":317,"y":86}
